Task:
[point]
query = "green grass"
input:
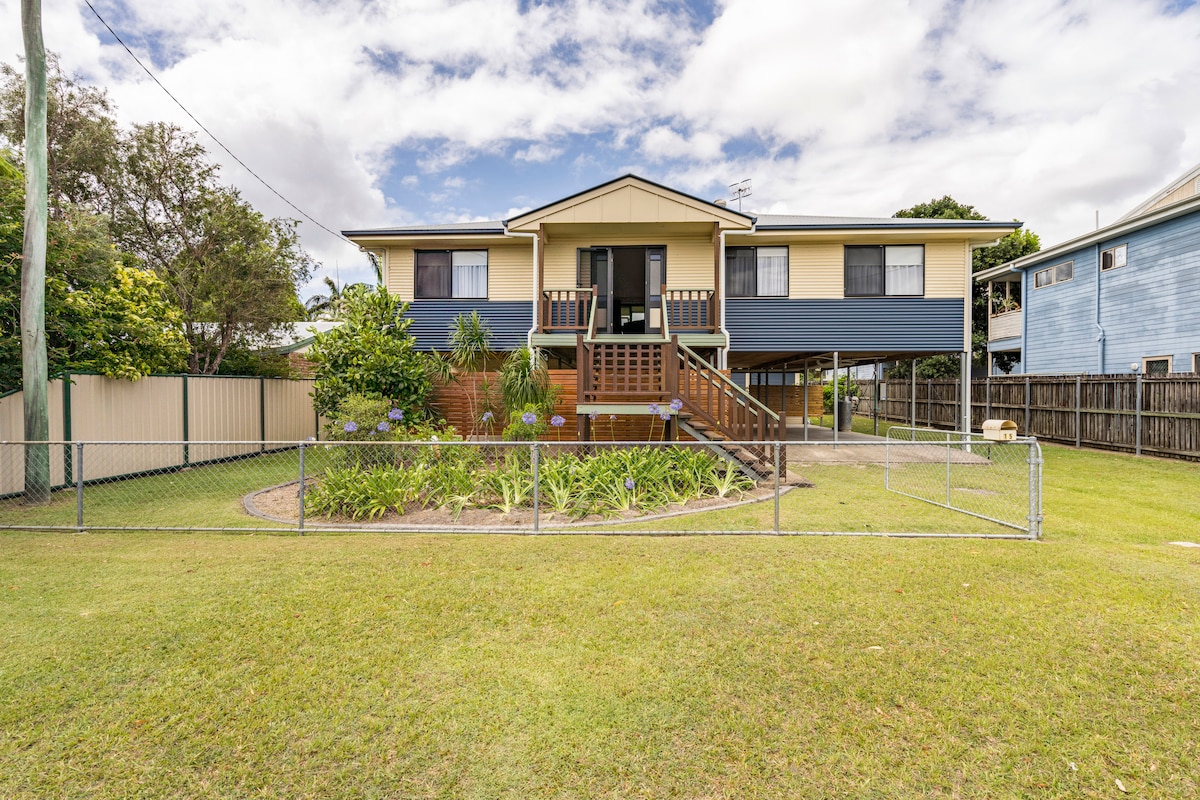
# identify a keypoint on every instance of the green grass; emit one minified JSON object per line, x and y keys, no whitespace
{"x":209,"y":665}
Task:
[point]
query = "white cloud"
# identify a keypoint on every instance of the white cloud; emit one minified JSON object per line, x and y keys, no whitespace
{"x":1025,"y":109}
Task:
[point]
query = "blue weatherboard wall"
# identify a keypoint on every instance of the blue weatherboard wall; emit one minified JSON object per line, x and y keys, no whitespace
{"x":509,"y":320}
{"x":1149,"y":307}
{"x":854,"y":323}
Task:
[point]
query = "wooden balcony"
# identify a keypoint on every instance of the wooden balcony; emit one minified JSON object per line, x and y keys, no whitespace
{"x":690,"y":310}
{"x":565,"y":310}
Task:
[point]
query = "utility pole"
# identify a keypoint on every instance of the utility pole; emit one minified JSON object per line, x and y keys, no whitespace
{"x":33,"y":266}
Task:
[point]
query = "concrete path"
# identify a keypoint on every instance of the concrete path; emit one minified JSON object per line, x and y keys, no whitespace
{"x":863,"y":448}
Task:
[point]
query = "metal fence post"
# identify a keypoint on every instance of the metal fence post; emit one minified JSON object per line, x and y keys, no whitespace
{"x":301,"y":493}
{"x":1035,"y":489}
{"x":536,"y":488}
{"x":948,"y":495}
{"x":776,"y":448}
{"x":1138,"y":417}
{"x":79,"y":486}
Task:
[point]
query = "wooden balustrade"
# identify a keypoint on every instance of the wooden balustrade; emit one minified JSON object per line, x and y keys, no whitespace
{"x":691,"y":310}
{"x":566,"y":310}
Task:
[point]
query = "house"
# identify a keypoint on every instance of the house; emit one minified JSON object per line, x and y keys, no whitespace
{"x":1124,"y":298}
{"x":652,"y":294}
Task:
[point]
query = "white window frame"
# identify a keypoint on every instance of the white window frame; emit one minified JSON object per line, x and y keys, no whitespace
{"x":1119,"y":257}
{"x":1146,"y":363}
{"x":1056,"y":274}
{"x":454,"y":281}
{"x":1196,"y":357}
{"x":886,"y":279}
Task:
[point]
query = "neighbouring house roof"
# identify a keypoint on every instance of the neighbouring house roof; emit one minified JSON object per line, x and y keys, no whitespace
{"x":298,"y":336}
{"x":1119,"y":228}
{"x":1181,"y":189}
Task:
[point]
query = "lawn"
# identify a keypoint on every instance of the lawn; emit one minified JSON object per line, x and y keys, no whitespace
{"x":372,"y":665}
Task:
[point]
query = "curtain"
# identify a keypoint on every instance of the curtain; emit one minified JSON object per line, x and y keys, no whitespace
{"x":905,"y":270}
{"x":740,"y":272}
{"x":432,"y":274}
{"x":470,"y":273}
{"x":772,"y":272}
{"x":864,"y":271}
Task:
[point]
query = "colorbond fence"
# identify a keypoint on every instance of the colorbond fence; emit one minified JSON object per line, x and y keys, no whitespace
{"x":176,"y":408}
{"x":1156,"y":415}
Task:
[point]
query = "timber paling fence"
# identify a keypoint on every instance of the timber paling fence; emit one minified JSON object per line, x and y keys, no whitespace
{"x":983,"y":489}
{"x":1153,"y":415}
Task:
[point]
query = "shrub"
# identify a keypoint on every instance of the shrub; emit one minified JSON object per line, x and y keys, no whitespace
{"x":370,"y":354}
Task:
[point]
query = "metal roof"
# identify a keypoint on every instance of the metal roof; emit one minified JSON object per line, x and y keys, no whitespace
{"x":491,"y":226}
{"x":804,"y":221}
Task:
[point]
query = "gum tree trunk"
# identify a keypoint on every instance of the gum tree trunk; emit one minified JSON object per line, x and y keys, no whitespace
{"x":33,"y":267}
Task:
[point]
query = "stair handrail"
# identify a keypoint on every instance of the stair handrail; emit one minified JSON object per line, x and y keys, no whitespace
{"x":747,"y":398}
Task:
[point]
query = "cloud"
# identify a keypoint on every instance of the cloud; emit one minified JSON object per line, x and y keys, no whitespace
{"x":1025,"y":109}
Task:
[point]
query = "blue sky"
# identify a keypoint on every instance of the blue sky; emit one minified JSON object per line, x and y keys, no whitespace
{"x":375,"y":113}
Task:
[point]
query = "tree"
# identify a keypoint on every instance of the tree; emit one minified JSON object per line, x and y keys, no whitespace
{"x":101,"y":315}
{"x":81,"y":135}
{"x":1015,"y":245}
{"x":232,"y":272}
{"x":371,"y":353}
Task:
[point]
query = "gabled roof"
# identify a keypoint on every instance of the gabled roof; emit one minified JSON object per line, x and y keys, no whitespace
{"x":1117,"y":229}
{"x":1183,"y":188}
{"x":630,"y":199}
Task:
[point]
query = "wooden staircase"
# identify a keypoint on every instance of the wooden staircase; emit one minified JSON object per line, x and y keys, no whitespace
{"x":657,"y":368}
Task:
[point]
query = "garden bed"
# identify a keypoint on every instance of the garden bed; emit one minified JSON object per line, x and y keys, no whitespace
{"x":282,"y":504}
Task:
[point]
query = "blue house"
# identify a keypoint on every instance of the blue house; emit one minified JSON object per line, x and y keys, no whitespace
{"x":1121,"y":299}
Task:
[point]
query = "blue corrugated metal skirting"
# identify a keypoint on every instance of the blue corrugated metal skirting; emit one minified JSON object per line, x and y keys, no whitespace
{"x":868,"y":324}
{"x":432,"y":319}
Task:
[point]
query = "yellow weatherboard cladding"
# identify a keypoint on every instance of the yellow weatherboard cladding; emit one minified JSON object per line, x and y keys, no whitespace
{"x":815,"y":269}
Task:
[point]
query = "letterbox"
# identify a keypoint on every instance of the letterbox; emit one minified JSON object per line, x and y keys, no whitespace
{"x":999,"y":430}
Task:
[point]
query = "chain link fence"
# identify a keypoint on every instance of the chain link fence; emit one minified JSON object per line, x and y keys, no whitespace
{"x":970,"y":488}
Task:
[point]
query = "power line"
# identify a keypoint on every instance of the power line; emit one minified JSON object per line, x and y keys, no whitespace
{"x":211,"y":135}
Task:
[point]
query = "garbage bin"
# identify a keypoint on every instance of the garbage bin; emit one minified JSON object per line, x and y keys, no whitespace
{"x":844,"y":414}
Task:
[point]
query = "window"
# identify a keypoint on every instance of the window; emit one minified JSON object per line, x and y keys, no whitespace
{"x":1112,"y":258}
{"x":1196,"y":360}
{"x":756,"y":271}
{"x":447,"y":274}
{"x":885,"y":270}
{"x":1049,"y":276}
{"x":1157,"y":365}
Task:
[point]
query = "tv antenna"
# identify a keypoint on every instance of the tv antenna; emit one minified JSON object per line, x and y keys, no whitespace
{"x":740,"y":190}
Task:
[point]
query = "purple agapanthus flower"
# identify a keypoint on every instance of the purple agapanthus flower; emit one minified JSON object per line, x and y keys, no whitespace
{"x":665,"y":416}
{"x":396,"y":415}
{"x":612,"y":417}
{"x":629,"y":484}
{"x":529,"y":418}
{"x":383,"y":427}
{"x":350,"y":427}
{"x":592,"y":416}
{"x":676,"y":404}
{"x":488,"y":416}
{"x":557,"y":421}
{"x":654,"y":408}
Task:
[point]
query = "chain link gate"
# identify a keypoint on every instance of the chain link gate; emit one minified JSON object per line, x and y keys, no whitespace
{"x":845,"y":488}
